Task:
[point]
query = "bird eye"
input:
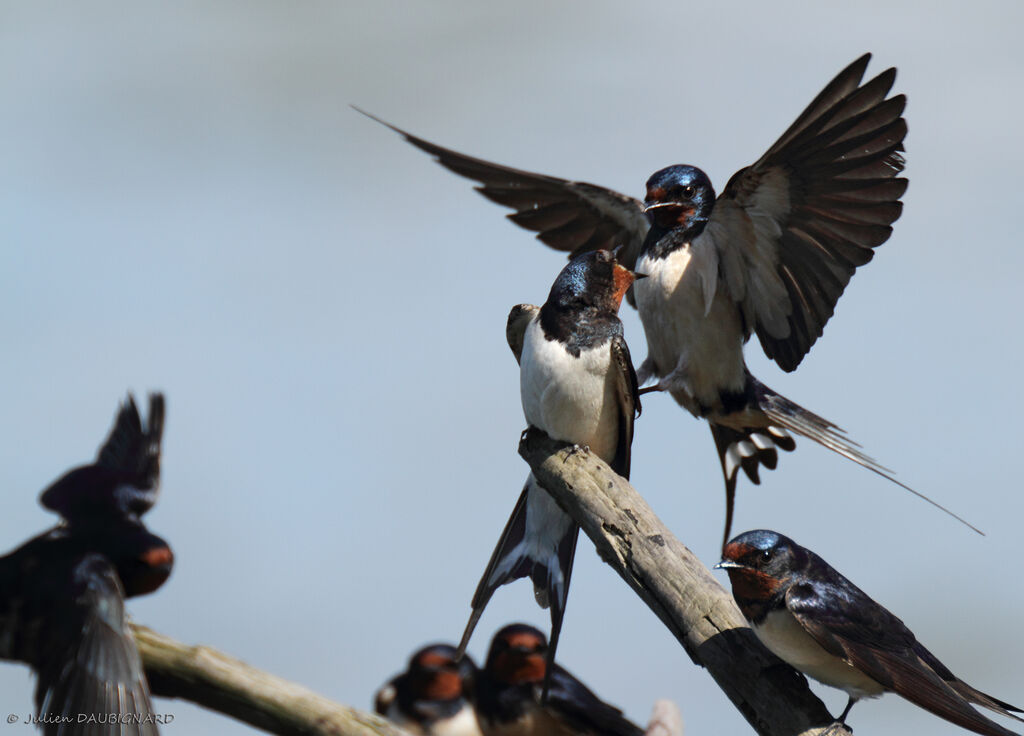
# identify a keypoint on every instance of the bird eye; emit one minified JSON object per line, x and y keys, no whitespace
{"x":767,"y":554}
{"x":689,"y":191}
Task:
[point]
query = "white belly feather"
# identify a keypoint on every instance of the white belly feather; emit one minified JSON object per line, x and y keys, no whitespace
{"x":786,"y":638}
{"x":571,"y":399}
{"x":693,"y":329}
{"x":462,"y":723}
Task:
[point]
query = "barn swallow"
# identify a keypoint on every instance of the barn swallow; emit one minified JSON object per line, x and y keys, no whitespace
{"x":577,"y":384}
{"x":771,"y":255}
{"x":819,"y":622}
{"x":62,"y":593}
{"x":508,"y":693}
{"x":430,"y":697}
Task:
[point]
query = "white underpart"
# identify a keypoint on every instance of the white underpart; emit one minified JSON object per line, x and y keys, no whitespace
{"x":693,"y":329}
{"x":463,"y":723}
{"x":571,"y":399}
{"x":787,"y":639}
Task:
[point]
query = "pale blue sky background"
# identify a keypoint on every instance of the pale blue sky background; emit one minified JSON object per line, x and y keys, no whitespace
{"x":188,"y":203}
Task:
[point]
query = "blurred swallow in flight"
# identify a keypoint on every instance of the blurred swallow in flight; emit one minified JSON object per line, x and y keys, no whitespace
{"x":62,"y":593}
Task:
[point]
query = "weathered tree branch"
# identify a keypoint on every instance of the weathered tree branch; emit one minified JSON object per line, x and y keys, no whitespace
{"x":230,"y":686}
{"x":227,"y":685}
{"x":675,"y":585}
{"x":680,"y":590}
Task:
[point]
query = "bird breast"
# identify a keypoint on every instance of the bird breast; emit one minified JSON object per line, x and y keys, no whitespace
{"x":570,"y":398}
{"x":463,"y":723}
{"x":787,"y":639}
{"x":691,"y":325}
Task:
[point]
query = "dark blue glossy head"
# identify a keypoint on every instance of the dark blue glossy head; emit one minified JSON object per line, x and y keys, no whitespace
{"x":679,"y":196}
{"x":763,"y":550}
{"x":594,"y":279}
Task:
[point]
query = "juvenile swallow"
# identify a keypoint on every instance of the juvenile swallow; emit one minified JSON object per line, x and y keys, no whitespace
{"x":430,"y":697}
{"x":819,"y":622}
{"x":578,"y":385}
{"x":509,"y":700}
{"x":771,"y":255}
{"x":62,"y":593}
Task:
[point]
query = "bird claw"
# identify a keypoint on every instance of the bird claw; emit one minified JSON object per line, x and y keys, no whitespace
{"x":575,"y":450}
{"x":836,"y":728}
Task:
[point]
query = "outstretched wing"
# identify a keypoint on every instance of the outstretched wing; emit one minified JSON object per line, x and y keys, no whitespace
{"x":878,"y":644}
{"x":567,"y":215}
{"x":791,"y":229}
{"x":92,"y":666}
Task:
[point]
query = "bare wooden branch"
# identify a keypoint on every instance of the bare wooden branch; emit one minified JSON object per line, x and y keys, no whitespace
{"x":681,"y":591}
{"x":230,"y":686}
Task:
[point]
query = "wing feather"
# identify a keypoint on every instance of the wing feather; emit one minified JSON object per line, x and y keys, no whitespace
{"x":877,"y":643}
{"x":793,"y":228}
{"x":567,"y":215}
{"x":519,"y":319}
{"x":627,"y":393}
{"x":91,"y":664}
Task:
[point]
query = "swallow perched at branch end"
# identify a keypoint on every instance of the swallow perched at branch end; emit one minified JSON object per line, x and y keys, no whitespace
{"x":819,"y":622}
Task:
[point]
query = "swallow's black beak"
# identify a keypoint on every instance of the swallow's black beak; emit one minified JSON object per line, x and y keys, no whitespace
{"x":728,"y":564}
{"x":637,"y":275}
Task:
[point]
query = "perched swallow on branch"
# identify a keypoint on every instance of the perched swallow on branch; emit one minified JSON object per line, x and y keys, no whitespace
{"x":577,"y":385}
{"x":770,"y":256}
{"x":508,"y":696}
{"x":430,"y":697}
{"x":819,"y":622}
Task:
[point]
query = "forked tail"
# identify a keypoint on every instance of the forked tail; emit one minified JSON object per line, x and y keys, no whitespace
{"x":748,"y":449}
{"x":789,"y":415}
{"x":539,"y":542}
